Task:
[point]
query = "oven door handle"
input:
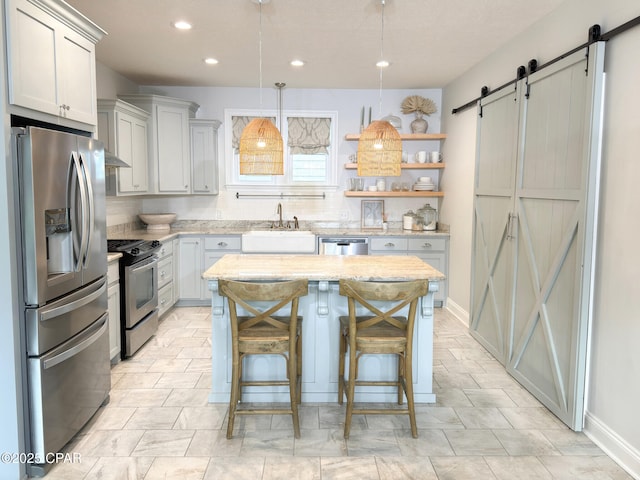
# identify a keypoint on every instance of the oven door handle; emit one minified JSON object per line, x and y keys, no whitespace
{"x":61,"y":357}
{"x":143,"y":265}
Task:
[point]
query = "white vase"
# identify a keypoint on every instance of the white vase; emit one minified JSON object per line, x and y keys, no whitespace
{"x":419,"y":125}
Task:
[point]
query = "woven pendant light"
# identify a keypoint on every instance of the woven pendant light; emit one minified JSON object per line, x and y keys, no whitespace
{"x":380,"y":145}
{"x":379,"y":151}
{"x":261,"y":150}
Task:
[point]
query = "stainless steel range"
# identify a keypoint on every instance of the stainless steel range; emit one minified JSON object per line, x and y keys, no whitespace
{"x":138,"y":291}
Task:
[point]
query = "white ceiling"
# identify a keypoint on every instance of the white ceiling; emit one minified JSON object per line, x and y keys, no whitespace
{"x":428,"y":42}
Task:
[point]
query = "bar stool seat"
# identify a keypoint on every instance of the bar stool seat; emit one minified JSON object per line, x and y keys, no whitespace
{"x":263,"y":333}
{"x":379,"y":332}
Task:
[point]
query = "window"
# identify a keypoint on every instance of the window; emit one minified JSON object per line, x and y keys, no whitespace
{"x":309,"y":150}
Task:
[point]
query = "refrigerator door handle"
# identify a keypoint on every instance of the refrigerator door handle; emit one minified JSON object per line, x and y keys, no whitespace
{"x":89,"y":227}
{"x":82,"y":182}
{"x":69,"y":307}
{"x":61,"y":357}
{"x":72,"y":197}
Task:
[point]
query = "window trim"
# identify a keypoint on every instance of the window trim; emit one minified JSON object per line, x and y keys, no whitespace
{"x":279,"y":184}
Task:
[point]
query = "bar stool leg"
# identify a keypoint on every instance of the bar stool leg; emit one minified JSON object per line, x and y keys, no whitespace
{"x":408,"y":382}
{"x":234,"y":397}
{"x":351,"y":391}
{"x":343,"y":352}
{"x":293,"y":392}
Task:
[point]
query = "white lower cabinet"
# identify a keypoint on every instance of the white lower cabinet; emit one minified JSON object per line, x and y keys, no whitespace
{"x":197,"y":254}
{"x":166,"y":299}
{"x":190,"y":288}
{"x":113,"y":308}
{"x":435,"y":252}
{"x":431,"y":249}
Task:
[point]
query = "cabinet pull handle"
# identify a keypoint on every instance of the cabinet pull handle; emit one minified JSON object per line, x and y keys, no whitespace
{"x":162,"y":273}
{"x":390,"y":244}
{"x":427,"y":245}
{"x":222,"y":244}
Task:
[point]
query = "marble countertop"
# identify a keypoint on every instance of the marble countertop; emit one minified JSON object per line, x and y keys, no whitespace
{"x":211,"y":228}
{"x":319,"y":267}
{"x":113,"y":256}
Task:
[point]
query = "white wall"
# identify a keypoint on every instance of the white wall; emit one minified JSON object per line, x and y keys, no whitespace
{"x":613,"y":387}
{"x":336,"y":207}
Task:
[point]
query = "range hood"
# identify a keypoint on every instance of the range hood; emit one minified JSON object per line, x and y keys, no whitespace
{"x":110,"y":160}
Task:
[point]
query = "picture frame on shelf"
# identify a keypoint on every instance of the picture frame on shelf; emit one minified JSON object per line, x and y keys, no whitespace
{"x":372,"y":214}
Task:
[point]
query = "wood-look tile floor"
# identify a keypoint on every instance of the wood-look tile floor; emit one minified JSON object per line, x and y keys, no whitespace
{"x":158,"y":424}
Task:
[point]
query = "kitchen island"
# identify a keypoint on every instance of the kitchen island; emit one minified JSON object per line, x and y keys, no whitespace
{"x":320,"y":310}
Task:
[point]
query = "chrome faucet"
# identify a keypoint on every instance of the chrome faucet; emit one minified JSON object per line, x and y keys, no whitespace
{"x":279,"y":212}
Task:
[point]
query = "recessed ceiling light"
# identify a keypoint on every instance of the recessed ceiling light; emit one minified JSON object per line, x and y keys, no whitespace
{"x":382,"y":64}
{"x":297,"y":63}
{"x":182,"y":25}
{"x":211,"y":61}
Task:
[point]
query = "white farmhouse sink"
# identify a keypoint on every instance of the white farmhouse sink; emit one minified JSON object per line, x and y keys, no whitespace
{"x":278,"y":241}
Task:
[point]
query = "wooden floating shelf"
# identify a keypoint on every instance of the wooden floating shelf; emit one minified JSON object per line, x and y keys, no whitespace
{"x":350,"y":193}
{"x":405,"y":166}
{"x":405,"y":136}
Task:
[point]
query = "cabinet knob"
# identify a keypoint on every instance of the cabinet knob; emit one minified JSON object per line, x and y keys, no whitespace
{"x":186,"y":186}
{"x":163,"y":301}
{"x":222,"y":244}
{"x":162,"y":273}
{"x":206,"y":187}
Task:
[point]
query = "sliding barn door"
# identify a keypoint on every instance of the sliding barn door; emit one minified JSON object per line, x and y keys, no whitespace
{"x":555,"y":207}
{"x":533,"y":262}
{"x":492,"y":266}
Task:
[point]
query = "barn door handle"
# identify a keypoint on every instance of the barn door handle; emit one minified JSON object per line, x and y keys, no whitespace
{"x":512,"y":218}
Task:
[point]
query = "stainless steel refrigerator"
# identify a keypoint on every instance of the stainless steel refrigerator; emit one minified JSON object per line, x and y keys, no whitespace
{"x":61,"y":200}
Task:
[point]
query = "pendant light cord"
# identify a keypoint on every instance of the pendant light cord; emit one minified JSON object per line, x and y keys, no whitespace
{"x":260,"y":55}
{"x":381,"y":56}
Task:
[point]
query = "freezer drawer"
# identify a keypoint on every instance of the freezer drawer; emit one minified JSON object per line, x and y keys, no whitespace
{"x":67,"y":386}
{"x":55,"y":323}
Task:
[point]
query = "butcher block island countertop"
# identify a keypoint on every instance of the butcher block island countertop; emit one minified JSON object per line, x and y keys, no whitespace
{"x":320,"y":267}
{"x":320,"y":310}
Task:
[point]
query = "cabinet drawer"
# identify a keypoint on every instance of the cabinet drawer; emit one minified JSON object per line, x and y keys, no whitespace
{"x":165,"y":298}
{"x":166,"y":249}
{"x":222,"y":243}
{"x":165,"y":271}
{"x":113,"y":272}
{"x":387,"y":244}
{"x":427,"y":244}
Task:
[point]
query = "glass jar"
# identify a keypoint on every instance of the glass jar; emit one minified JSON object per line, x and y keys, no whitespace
{"x":429,"y":217}
{"x":408,"y":220}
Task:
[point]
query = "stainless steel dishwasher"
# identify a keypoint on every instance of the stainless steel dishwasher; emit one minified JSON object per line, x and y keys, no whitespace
{"x":343,"y":246}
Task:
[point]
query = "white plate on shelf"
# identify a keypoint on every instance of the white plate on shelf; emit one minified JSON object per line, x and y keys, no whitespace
{"x":424,"y":188}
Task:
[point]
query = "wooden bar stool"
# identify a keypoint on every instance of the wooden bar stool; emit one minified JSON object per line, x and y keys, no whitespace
{"x":379,"y":332}
{"x":262,"y":333}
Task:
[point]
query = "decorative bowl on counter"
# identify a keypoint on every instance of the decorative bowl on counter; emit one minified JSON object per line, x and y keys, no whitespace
{"x":158,"y":221}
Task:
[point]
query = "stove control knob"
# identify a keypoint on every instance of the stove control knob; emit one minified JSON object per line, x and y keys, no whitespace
{"x":135,"y":251}
{"x":155,"y":243}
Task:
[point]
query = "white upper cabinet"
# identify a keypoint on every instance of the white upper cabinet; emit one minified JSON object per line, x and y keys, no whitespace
{"x":168,"y":142}
{"x":204,"y":156}
{"x":52,"y":68}
{"x":123,"y":130}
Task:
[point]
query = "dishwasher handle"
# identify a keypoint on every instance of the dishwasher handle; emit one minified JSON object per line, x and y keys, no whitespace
{"x":344,"y":246}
